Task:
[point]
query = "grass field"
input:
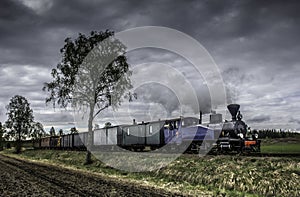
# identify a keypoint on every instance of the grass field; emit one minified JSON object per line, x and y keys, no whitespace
{"x":211,"y":175}
{"x":281,"y":145}
{"x":281,"y":148}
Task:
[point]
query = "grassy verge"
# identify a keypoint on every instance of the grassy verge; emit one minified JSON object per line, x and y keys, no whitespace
{"x":217,"y":176}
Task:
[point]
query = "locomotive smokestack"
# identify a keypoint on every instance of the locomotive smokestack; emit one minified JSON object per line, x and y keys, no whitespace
{"x":233,"y":109}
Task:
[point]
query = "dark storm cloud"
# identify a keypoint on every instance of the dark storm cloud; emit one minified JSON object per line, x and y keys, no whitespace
{"x":259,"y":118}
{"x":294,"y":120}
{"x":22,"y":36}
{"x":53,"y":118}
{"x":213,"y":23}
{"x":255,"y":43}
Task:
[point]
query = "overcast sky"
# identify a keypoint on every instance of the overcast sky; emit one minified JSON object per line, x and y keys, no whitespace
{"x":255,"y":44}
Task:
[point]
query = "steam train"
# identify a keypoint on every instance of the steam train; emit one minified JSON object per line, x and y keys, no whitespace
{"x":183,"y":134}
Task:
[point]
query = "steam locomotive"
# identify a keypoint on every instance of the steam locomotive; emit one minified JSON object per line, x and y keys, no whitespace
{"x":183,"y":134}
{"x":236,"y":136}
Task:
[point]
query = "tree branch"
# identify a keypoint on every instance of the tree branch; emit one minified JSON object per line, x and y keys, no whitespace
{"x":106,"y":106}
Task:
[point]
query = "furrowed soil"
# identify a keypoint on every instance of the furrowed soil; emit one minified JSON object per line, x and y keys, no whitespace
{"x":188,"y":175}
{"x":24,"y":178}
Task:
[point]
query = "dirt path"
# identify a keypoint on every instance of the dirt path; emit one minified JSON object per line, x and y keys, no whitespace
{"x":23,"y":178}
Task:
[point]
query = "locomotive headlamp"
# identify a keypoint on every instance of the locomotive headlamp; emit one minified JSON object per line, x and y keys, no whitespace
{"x":241,"y":135}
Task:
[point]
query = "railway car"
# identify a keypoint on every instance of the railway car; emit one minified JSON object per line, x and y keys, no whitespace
{"x":140,"y":136}
{"x":67,"y":141}
{"x":187,"y":134}
{"x":154,"y":137}
{"x":80,"y":140}
{"x":105,"y":138}
{"x":55,"y":142}
{"x":50,"y":142}
{"x":37,"y":144}
{"x":133,"y":137}
{"x":45,"y":142}
{"x":198,"y":138}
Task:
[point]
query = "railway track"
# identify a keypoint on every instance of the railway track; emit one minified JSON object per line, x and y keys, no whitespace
{"x":294,"y":155}
{"x":213,"y":153}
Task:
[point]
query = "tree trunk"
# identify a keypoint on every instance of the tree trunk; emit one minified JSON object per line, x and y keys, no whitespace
{"x":1,"y":143}
{"x":18,"y":145}
{"x":88,"y":159}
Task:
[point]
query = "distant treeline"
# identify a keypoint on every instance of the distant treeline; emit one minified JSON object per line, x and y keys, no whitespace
{"x":272,"y":133}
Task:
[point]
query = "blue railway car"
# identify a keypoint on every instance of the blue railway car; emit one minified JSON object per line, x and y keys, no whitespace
{"x":187,"y":134}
